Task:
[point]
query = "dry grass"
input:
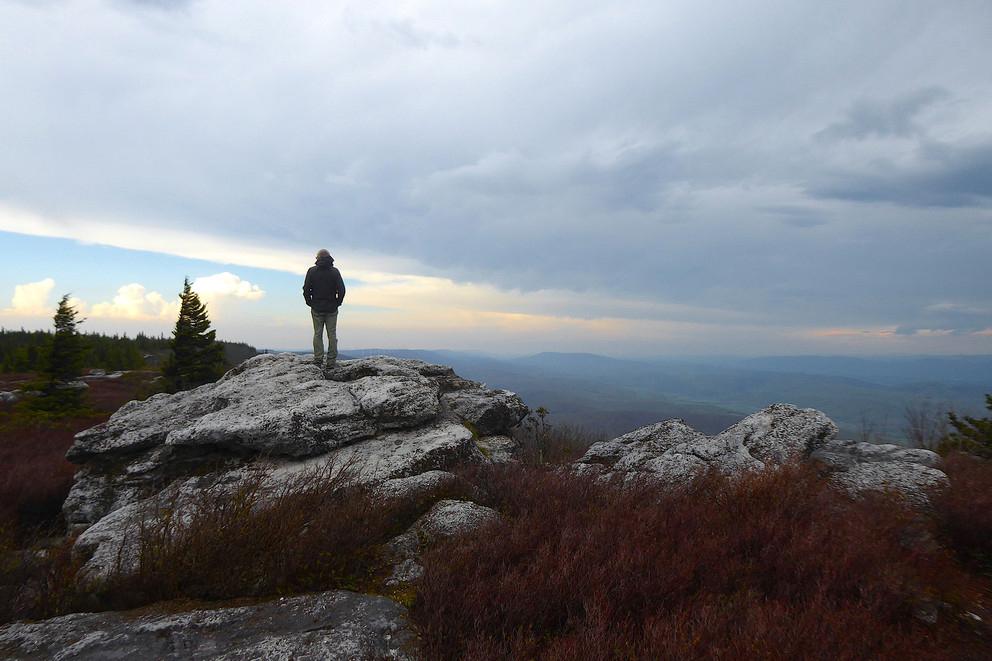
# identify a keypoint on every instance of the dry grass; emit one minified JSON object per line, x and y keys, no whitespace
{"x":776,"y":565}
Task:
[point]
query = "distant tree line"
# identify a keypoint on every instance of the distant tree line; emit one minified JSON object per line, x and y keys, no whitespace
{"x":25,"y":351}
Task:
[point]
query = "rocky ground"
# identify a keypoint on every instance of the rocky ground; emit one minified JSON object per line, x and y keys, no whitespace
{"x":399,"y":426}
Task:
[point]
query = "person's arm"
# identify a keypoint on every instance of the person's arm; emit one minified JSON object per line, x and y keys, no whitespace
{"x":308,"y":288}
{"x":340,"y":288}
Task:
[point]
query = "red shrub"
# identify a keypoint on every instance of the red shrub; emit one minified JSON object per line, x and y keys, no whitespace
{"x":318,"y":531}
{"x":774,"y":565}
{"x":964,"y":509}
{"x":34,"y":474}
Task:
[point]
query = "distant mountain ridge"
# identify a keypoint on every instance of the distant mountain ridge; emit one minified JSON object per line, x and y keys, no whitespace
{"x":615,"y":395}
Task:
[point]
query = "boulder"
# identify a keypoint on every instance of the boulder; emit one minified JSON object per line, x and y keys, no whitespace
{"x":385,"y":412}
{"x":383,"y":418}
{"x":490,"y":412}
{"x":672,"y":451}
{"x":446,"y":519}
{"x":415,"y":486}
{"x":667,"y":451}
{"x":327,"y":625}
{"x":498,"y":449}
{"x":780,"y":432}
{"x":861,"y":467}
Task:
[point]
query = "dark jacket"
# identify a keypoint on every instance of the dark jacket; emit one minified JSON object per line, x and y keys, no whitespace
{"x":323,"y":289}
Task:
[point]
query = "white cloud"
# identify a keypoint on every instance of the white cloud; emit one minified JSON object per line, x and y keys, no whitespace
{"x":32,"y":299}
{"x":133,"y":301}
{"x":226,"y":284}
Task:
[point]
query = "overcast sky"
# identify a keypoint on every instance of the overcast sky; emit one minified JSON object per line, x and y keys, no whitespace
{"x":633,"y":177}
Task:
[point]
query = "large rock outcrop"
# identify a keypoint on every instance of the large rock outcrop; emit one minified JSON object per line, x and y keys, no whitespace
{"x":387,"y":419}
{"x":328,"y":625}
{"x":672,"y":451}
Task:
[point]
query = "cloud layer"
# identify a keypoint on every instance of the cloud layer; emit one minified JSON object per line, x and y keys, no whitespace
{"x":758,"y":161}
{"x":133,"y":302}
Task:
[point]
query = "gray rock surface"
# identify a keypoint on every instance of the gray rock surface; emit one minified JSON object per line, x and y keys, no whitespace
{"x":490,"y":412}
{"x":499,"y":449}
{"x":843,"y":454}
{"x":446,"y":519}
{"x":384,"y":418}
{"x":111,"y":545}
{"x":328,"y":625}
{"x":780,"y":432}
{"x":415,"y":485}
{"x":671,"y":451}
{"x":861,"y":467}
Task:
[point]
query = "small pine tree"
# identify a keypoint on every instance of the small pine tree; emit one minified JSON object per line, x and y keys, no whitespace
{"x":196,"y":357}
{"x":972,"y":435}
{"x":64,"y":360}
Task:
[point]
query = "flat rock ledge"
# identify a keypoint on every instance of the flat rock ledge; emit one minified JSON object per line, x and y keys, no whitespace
{"x":389,"y":420}
{"x":672,"y":451}
{"x":327,"y":625}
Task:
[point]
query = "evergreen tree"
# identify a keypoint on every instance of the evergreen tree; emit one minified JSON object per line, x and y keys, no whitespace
{"x":196,"y":357}
{"x":970,"y":434}
{"x":64,"y":360}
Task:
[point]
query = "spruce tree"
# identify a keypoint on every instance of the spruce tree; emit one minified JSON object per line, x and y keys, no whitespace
{"x":62,"y":362}
{"x":196,"y":357}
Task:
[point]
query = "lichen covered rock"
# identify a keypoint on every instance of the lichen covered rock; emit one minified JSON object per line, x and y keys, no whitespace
{"x":382,"y":418}
{"x":328,"y":625}
{"x":672,"y":451}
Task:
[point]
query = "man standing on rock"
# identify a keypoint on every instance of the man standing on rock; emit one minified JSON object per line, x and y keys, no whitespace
{"x":323,"y":290}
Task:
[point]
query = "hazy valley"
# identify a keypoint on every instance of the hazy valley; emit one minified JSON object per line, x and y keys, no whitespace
{"x":610,"y":396}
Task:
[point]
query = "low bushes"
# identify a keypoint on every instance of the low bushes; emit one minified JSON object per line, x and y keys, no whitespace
{"x":964,"y":509}
{"x":38,"y":581}
{"x":317,"y":531}
{"x":542,"y":442}
{"x":35,"y":476}
{"x":773,"y":565}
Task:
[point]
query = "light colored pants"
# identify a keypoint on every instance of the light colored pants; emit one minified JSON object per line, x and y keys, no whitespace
{"x":320,"y":321}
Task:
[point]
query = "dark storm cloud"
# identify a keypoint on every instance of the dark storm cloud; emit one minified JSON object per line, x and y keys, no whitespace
{"x":729,"y":157}
{"x":874,"y":118}
{"x":942,"y":176}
